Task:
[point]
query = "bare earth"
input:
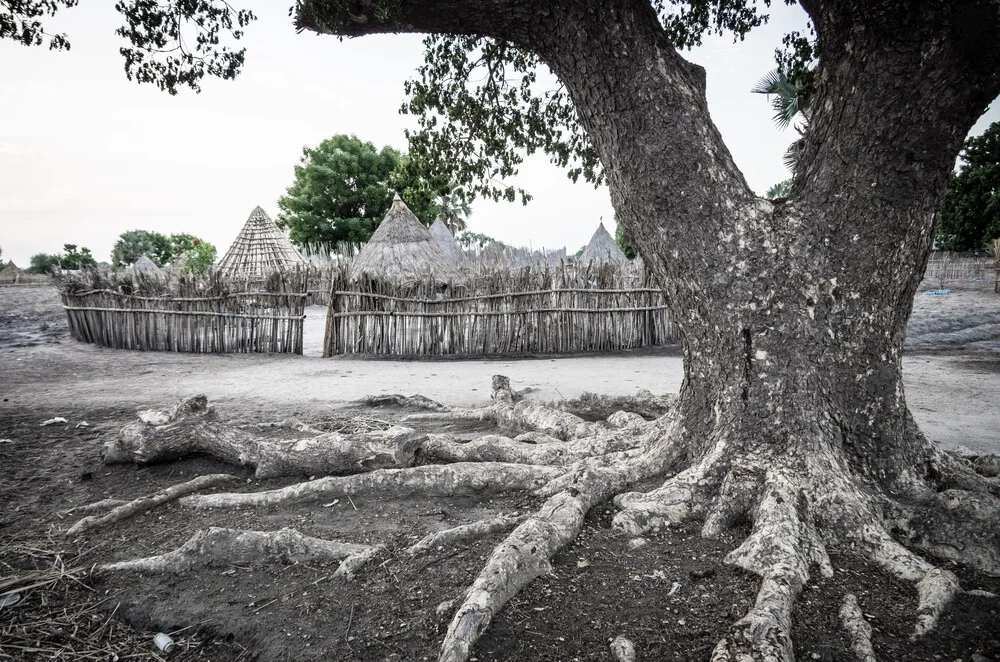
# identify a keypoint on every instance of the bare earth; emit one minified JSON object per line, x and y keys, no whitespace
{"x":599,"y":587}
{"x":951,"y":370}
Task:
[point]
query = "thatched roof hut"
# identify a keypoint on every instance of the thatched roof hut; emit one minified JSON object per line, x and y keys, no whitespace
{"x":259,"y":249}
{"x":145,"y":264}
{"x":602,"y":248}
{"x":446,"y":241}
{"x":402,"y":250}
{"x":10,"y":273}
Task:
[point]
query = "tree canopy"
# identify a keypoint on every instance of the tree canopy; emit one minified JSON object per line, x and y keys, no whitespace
{"x":72,"y":257}
{"x":159,"y":248}
{"x":343,"y":188}
{"x":970,"y":214}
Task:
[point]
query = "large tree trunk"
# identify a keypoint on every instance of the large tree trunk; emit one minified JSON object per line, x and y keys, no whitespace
{"x":792,"y":313}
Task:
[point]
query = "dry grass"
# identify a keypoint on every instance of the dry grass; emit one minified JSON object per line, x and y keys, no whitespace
{"x":61,"y":616}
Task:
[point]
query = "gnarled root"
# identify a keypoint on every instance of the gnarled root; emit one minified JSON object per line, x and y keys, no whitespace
{"x":353,"y":563}
{"x":935,"y":587}
{"x":525,"y":554}
{"x":495,"y":448}
{"x":622,"y":649}
{"x":148,"y":502}
{"x":462,"y":533}
{"x":781,"y":548}
{"x":860,"y":633}
{"x":219,"y":546}
{"x":192,"y":427}
{"x":960,"y":525}
{"x":447,"y":480}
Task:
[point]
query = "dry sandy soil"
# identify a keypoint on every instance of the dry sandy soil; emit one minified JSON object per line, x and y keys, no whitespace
{"x":599,"y":587}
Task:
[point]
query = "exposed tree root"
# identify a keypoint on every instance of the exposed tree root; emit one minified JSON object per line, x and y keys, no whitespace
{"x":781,"y":548}
{"x":218,"y":546}
{"x":145,"y":503}
{"x":622,"y":649}
{"x":860,"y":633}
{"x":595,"y":407}
{"x":191,"y":427}
{"x":962,"y":526}
{"x":404,"y":401}
{"x":525,"y":554}
{"x":96,"y":507}
{"x":678,"y":499}
{"x":350,"y":566}
{"x":432,"y":480}
{"x":495,"y":448}
{"x":462,"y":533}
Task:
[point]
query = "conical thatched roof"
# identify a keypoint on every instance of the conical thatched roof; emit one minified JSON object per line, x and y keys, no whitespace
{"x":403,"y":250}
{"x":10,"y":273}
{"x":446,"y":241}
{"x":259,"y":249}
{"x":602,"y":248}
{"x":145,"y":264}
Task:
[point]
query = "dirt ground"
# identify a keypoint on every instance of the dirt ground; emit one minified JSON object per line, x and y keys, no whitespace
{"x":599,"y":587}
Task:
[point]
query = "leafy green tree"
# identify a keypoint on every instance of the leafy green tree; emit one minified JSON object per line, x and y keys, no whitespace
{"x":454,"y":208}
{"x":76,"y":259}
{"x":340,"y":193}
{"x":970,"y":214}
{"x":477,"y":240}
{"x":780,"y":190}
{"x":43,"y":263}
{"x":624,"y":242}
{"x":133,"y":244}
{"x":199,"y":258}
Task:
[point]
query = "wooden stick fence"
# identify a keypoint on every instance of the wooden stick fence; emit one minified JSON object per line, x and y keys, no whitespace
{"x":551,"y":310}
{"x":948,"y":266}
{"x":162,"y":312}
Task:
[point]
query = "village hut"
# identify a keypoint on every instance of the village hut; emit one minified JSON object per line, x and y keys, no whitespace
{"x":10,"y":274}
{"x":260,"y":249}
{"x":403,"y":251}
{"x":446,"y":241}
{"x":145,"y":265}
{"x":602,"y":248}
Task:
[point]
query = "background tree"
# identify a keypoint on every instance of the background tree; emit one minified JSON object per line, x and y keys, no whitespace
{"x":970,"y":214}
{"x":343,"y":188}
{"x":43,"y":263}
{"x":76,"y":259}
{"x":72,"y":257}
{"x":454,"y":208}
{"x":199,"y":258}
{"x":133,"y":244}
{"x":623,"y":242}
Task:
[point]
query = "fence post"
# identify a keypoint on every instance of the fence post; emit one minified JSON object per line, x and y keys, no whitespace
{"x":332,"y":308}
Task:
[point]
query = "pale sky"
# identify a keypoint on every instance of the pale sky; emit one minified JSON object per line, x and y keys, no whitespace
{"x":86,"y":155}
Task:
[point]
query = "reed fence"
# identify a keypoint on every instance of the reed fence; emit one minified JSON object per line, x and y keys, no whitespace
{"x":952,"y":266}
{"x":166,"y":312}
{"x":548,"y":310}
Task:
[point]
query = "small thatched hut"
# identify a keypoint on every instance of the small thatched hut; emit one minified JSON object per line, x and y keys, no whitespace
{"x":10,"y":274}
{"x":446,"y":241}
{"x":259,"y":249}
{"x":144,"y":264}
{"x":403,"y":251}
{"x":602,"y":248}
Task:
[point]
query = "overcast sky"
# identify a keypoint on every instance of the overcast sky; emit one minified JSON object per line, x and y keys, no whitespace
{"x":86,"y":155}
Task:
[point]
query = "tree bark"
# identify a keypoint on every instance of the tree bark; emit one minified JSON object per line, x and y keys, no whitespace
{"x":792,"y":313}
